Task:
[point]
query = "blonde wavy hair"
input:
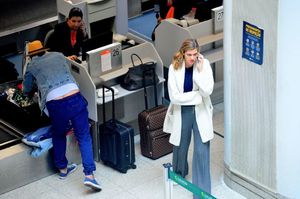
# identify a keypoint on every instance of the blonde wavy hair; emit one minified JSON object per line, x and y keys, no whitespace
{"x":178,"y":58}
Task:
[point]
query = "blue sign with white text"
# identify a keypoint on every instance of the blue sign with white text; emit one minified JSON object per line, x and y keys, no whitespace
{"x":253,"y":43}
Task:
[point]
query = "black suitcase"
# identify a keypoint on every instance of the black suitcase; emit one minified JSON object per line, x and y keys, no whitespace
{"x":116,"y":141}
{"x":154,"y":142}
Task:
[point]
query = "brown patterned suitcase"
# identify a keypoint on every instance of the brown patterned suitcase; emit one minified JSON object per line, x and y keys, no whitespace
{"x":154,"y":142}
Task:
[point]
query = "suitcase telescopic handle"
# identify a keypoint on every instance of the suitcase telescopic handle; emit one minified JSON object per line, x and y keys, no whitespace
{"x":113,"y":103}
{"x":154,"y":85}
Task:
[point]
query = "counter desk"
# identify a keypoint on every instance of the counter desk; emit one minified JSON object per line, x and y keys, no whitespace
{"x":128,"y":103}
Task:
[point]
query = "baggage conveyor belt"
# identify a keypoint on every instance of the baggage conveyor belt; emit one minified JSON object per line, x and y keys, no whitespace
{"x":7,"y":136}
{"x":17,"y":167}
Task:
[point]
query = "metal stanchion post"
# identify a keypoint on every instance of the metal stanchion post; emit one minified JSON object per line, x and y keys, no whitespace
{"x":171,"y":177}
{"x":168,"y":182}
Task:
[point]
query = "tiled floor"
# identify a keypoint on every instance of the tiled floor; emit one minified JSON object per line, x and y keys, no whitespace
{"x":145,"y":182}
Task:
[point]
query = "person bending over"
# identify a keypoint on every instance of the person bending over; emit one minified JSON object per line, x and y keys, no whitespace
{"x":60,"y":95}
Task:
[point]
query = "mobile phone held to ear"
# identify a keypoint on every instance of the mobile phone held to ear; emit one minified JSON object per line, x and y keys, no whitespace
{"x":200,"y":57}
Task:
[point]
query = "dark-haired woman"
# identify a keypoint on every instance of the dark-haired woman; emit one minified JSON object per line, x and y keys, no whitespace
{"x":68,"y":36}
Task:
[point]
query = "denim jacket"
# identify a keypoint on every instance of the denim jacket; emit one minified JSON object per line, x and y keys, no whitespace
{"x":49,"y":72}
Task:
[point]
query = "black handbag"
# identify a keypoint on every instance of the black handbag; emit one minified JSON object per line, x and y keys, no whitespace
{"x":133,"y":79}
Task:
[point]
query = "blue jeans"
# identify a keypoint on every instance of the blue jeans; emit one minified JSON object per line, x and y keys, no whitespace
{"x":63,"y":111}
{"x":201,"y":154}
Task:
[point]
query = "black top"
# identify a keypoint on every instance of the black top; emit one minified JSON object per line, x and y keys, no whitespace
{"x":188,"y":80}
{"x":60,"y":41}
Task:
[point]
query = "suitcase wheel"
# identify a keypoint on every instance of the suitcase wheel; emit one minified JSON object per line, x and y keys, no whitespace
{"x":105,"y":163}
{"x":133,"y":166}
{"x":123,"y":170}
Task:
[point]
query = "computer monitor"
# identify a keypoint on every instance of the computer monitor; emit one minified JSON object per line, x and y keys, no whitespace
{"x":105,"y":59}
{"x":97,"y":41}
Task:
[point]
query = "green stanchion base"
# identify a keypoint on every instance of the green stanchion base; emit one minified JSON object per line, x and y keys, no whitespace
{"x":189,"y":186}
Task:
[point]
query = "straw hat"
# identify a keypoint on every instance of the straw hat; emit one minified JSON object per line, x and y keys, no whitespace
{"x":35,"y":47}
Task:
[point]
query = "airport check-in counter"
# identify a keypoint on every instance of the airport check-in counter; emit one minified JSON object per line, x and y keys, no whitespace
{"x":209,"y":34}
{"x":18,"y":168}
{"x":128,"y":103}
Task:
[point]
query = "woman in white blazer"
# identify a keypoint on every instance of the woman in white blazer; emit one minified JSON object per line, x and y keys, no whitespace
{"x":190,"y":83}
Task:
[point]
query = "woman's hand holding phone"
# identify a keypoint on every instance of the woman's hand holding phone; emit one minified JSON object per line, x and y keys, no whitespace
{"x":83,"y":28}
{"x":200,"y":60}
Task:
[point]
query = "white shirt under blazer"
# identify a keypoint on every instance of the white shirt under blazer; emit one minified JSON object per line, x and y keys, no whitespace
{"x":203,"y":84}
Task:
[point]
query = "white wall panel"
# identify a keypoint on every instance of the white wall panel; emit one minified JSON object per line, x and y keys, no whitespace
{"x":288,"y":95}
{"x":253,"y":98}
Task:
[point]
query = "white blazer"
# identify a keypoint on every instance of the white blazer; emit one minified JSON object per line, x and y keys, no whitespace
{"x":203,"y":84}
